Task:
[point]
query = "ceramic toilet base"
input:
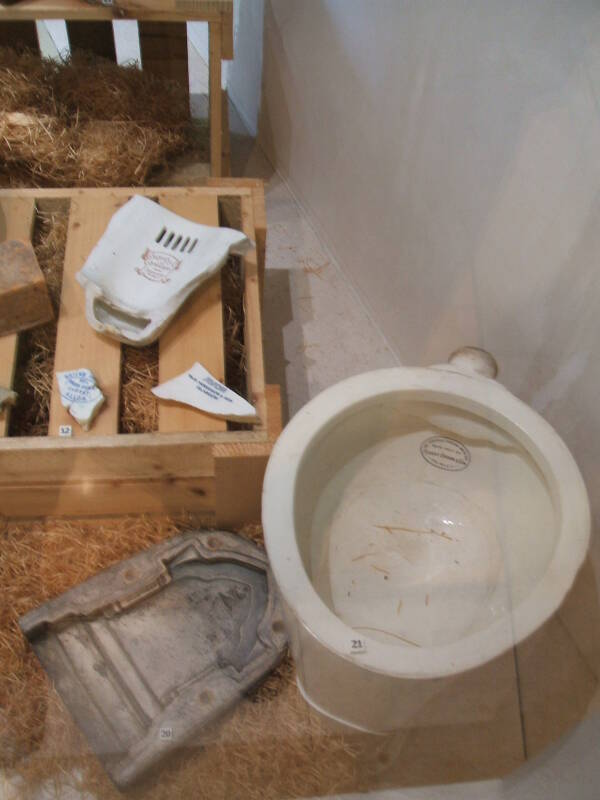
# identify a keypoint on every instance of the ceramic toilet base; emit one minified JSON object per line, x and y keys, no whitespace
{"x":344,"y":723}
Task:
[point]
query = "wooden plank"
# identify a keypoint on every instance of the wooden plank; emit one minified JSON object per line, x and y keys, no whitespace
{"x":275,"y":413}
{"x":16,"y":222}
{"x":147,"y":191}
{"x":19,"y":35}
{"x":215,"y":98}
{"x":41,"y":459}
{"x":153,"y":473}
{"x":139,"y":473}
{"x":24,"y":299}
{"x":257,"y":187}
{"x":164,"y":50}
{"x":226,"y":143}
{"x":238,"y":482}
{"x":95,"y":37}
{"x":252,"y":322}
{"x":196,"y":334}
{"x":110,"y":498}
{"x":107,"y":474}
{"x":151,"y":10}
{"x":240,"y":471}
{"x":227,"y":26}
{"x":77,"y":344}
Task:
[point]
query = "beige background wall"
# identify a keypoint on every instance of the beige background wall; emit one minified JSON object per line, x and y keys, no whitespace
{"x":449,"y":154}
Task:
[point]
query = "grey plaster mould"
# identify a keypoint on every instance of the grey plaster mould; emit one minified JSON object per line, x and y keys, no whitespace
{"x":149,"y":652}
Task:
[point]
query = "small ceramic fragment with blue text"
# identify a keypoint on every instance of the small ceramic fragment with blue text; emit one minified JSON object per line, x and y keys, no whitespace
{"x":80,"y":395}
{"x":198,"y":388}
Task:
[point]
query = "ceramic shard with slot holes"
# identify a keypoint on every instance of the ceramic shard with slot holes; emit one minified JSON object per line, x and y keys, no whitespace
{"x":146,"y":264}
{"x":149,"y":652}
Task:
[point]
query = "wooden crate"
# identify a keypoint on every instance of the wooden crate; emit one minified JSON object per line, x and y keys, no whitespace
{"x":193,"y":463}
{"x":163,"y":43}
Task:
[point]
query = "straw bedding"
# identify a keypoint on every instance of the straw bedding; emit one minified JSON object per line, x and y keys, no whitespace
{"x":88,"y":122}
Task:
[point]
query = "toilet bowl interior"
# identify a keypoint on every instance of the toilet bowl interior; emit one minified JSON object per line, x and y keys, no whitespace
{"x":419,"y":523}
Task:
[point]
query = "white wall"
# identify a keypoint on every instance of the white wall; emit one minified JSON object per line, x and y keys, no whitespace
{"x":242,"y":76}
{"x":449,"y":153}
{"x":244,"y":73}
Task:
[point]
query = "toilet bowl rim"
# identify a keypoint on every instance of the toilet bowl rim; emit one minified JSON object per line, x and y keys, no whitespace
{"x":467,"y":392}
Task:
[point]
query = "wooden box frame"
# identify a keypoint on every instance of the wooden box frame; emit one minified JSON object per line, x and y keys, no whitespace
{"x":215,"y":475}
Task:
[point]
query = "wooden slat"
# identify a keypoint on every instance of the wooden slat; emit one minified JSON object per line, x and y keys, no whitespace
{"x":164,"y":50}
{"x":227,"y":26}
{"x":252,"y":320}
{"x":16,"y":222}
{"x":226,"y":143}
{"x":80,"y":498}
{"x":95,"y":37}
{"x":215,"y":98}
{"x":77,"y":344}
{"x":42,"y":459}
{"x":19,"y":35}
{"x":196,"y":334}
{"x":153,"y":473}
{"x":275,"y":413}
{"x":204,"y":188}
{"x":240,"y":471}
{"x":153,"y":10}
{"x":257,"y":187}
{"x":103,"y":474}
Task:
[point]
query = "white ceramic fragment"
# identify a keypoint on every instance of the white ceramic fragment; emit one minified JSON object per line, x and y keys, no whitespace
{"x":146,"y":264}
{"x":7,"y":397}
{"x":419,"y":523}
{"x":80,"y":395}
{"x":198,"y":388}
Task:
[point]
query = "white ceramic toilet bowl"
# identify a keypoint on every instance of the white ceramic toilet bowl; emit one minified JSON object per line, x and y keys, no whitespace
{"x":419,"y":523}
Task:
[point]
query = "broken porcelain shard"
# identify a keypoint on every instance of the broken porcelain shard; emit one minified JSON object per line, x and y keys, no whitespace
{"x":198,"y":388}
{"x":150,"y":652}
{"x":145,"y":265}
{"x":7,"y":397}
{"x":80,"y":395}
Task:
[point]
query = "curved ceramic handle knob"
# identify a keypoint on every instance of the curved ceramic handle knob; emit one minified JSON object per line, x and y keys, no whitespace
{"x":474,"y":359}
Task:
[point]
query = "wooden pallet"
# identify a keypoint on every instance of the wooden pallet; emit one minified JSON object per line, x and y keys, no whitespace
{"x":193,"y":463}
{"x":163,"y":43}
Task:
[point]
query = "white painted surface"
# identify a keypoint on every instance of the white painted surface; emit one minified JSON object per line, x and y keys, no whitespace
{"x":53,"y":38}
{"x":245,"y":71}
{"x":198,"y":38}
{"x":127,"y":42}
{"x":198,"y":35}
